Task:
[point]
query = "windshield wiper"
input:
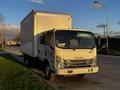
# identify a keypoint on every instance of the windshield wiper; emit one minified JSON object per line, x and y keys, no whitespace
{"x":74,"y":48}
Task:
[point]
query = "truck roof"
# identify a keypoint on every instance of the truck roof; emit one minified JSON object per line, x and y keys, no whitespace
{"x":85,"y":30}
{"x":40,"y":11}
{"x":80,"y":29}
{"x":74,"y":29}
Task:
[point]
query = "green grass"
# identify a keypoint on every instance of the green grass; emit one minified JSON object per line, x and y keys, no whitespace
{"x":1,"y":49}
{"x":15,"y":76}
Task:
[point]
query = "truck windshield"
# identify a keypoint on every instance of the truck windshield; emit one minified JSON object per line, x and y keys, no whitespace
{"x":74,"y":39}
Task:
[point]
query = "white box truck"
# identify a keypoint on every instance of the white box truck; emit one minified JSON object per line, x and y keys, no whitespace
{"x":48,"y":37}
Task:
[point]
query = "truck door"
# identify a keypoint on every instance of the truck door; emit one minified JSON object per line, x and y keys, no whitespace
{"x":49,"y":49}
{"x":41,"y":46}
{"x":46,"y":48}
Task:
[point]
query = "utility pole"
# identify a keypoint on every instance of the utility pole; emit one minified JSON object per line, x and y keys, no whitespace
{"x":2,"y":40}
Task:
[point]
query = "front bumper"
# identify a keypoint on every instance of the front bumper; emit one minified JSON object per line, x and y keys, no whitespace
{"x":73,"y":71}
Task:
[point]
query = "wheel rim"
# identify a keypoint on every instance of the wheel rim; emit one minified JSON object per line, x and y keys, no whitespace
{"x":47,"y":70}
{"x":26,"y":61}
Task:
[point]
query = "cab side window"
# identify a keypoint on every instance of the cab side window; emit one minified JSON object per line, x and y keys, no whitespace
{"x":43,"y":39}
{"x":50,"y":39}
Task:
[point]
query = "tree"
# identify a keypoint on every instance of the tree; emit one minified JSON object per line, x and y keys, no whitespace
{"x":17,"y":38}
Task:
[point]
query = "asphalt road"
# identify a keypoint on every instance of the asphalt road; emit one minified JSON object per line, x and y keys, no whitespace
{"x":108,"y":77}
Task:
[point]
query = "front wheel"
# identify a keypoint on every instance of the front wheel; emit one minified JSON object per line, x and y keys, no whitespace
{"x":48,"y":74}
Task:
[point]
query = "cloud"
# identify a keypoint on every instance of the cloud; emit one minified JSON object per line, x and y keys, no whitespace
{"x":10,"y":30}
{"x":37,"y":1}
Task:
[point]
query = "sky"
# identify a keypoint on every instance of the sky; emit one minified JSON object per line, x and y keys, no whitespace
{"x":84,"y":14}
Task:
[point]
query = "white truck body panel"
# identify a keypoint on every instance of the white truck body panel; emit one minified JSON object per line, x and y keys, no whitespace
{"x":37,"y":22}
{"x":27,"y":27}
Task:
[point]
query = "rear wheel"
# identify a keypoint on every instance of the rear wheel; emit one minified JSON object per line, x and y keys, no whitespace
{"x":26,"y":60}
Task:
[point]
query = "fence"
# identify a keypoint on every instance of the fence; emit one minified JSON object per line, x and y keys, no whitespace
{"x":114,"y":45}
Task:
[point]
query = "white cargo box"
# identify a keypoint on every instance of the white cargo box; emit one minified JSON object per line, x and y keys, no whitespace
{"x":37,"y":22}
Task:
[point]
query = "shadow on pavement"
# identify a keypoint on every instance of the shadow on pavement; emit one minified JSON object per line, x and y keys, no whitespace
{"x":20,"y":60}
{"x":12,"y":57}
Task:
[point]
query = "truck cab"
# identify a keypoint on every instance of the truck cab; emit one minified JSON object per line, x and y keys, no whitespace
{"x":68,"y":52}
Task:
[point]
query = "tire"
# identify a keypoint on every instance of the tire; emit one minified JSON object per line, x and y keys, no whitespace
{"x":81,"y":75}
{"x":26,"y":61}
{"x":48,"y":74}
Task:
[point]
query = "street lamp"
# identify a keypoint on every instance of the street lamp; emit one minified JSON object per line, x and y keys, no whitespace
{"x":101,"y":5}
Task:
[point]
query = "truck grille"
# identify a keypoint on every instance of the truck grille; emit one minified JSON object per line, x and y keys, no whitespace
{"x":76,"y":63}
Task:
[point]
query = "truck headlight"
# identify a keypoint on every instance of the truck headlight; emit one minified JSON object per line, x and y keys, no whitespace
{"x":89,"y":62}
{"x":94,"y":62}
{"x":60,"y":63}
